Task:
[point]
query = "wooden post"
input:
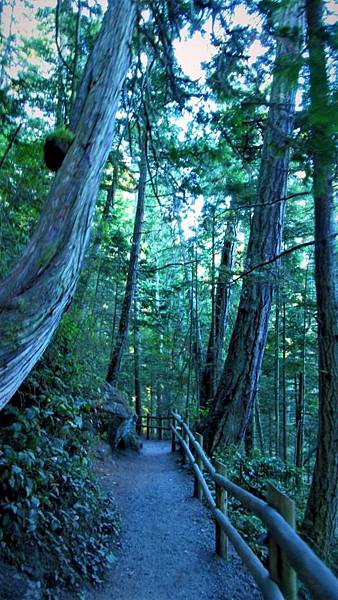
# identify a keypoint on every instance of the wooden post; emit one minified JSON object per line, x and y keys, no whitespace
{"x":222,"y":504}
{"x":181,"y":450}
{"x":173,"y":436}
{"x":148,"y":426}
{"x":160,"y":428}
{"x":279,"y":567}
{"x":186,"y":439}
{"x":198,"y":492}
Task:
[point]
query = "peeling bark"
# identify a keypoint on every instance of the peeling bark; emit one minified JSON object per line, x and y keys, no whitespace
{"x":35,"y":294}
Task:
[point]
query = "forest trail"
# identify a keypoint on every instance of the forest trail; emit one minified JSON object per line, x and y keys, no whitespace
{"x":167,"y":535}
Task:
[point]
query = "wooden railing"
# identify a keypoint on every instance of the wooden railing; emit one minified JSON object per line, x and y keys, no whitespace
{"x":289,"y":555}
{"x":152,"y":426}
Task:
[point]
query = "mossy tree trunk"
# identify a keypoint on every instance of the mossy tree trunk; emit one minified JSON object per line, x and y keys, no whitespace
{"x":36,"y":293}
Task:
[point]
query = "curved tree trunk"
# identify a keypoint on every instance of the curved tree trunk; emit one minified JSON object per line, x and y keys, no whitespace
{"x":234,"y":399}
{"x":114,"y":368}
{"x":35,"y":294}
{"x":321,"y":513}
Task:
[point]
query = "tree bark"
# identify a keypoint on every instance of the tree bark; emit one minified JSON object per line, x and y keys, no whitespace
{"x":220,"y":310}
{"x":299,"y":417}
{"x":322,"y":507}
{"x":276,"y":378}
{"x":259,"y":427}
{"x":284,"y":404}
{"x":77,"y":41}
{"x":35,"y":294}
{"x":235,"y":395}
{"x":137,"y":355}
{"x":116,"y":358}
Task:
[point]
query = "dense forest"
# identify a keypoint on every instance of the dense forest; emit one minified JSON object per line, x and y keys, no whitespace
{"x":167,"y":179}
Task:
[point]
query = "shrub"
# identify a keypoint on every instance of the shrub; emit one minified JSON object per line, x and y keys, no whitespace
{"x":57,"y":524}
{"x":253,"y":473}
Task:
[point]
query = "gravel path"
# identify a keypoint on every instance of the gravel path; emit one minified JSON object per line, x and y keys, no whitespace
{"x":167,"y":536}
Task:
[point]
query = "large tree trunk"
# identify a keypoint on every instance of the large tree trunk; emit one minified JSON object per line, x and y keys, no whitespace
{"x":210,"y":371}
{"x":35,"y":294}
{"x":322,"y":508}
{"x":115,"y":361}
{"x":235,"y":395}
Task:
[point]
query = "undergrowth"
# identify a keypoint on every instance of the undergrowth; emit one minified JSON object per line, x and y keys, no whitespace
{"x":56,"y":523}
{"x":254,"y":473}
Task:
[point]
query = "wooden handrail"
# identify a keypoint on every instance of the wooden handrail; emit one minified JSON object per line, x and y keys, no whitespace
{"x":166,"y":418}
{"x":317,"y":577}
{"x":150,"y":427}
{"x":261,"y":575}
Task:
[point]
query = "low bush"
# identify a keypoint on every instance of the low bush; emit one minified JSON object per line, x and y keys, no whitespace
{"x":253,"y":473}
{"x":56,"y":523}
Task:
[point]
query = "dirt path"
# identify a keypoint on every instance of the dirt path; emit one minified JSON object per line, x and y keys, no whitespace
{"x":167,"y":536}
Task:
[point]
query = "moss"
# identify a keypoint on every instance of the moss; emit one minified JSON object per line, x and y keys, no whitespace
{"x":46,"y":255}
{"x":61,"y":133}
{"x":56,"y":146}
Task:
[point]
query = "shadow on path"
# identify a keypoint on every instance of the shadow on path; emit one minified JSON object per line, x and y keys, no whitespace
{"x":167,"y":535}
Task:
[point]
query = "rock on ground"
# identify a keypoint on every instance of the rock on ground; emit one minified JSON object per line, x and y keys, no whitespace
{"x":167,"y":535}
{"x":117,"y":420}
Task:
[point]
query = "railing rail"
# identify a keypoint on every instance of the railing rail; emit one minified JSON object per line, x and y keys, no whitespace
{"x":145,"y":424}
{"x":286,"y":548}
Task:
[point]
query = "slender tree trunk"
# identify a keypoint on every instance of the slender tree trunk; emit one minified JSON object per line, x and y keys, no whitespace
{"x":259,"y":426}
{"x":321,"y":512}
{"x":235,"y":395}
{"x":77,"y":42}
{"x":1,"y":13}
{"x":276,"y":378}
{"x":284,"y":405}
{"x":115,"y":362}
{"x":137,"y":354}
{"x":220,"y":309}
{"x":10,"y":144}
{"x":189,"y":280}
{"x":159,"y":386}
{"x":299,"y":421}
{"x":35,"y":294}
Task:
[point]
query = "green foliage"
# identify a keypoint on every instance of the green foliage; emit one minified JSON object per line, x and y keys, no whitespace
{"x":253,"y":473}
{"x":57,"y":525}
{"x":61,"y":133}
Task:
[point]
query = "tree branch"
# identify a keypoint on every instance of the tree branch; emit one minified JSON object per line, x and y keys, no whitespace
{"x":250,"y":206}
{"x":10,"y":144}
{"x":268,"y":262}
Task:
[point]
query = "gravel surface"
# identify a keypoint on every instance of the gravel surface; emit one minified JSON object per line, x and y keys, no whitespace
{"x":167,"y":536}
